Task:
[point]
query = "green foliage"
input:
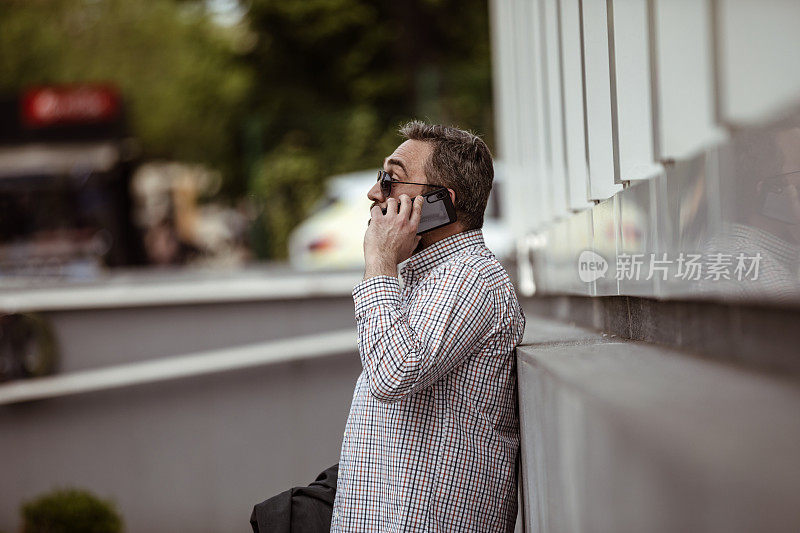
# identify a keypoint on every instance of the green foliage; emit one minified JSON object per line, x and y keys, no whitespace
{"x":298,"y":91}
{"x":70,"y":511}
{"x":178,"y":72}
{"x":284,"y":190}
{"x":343,"y":74}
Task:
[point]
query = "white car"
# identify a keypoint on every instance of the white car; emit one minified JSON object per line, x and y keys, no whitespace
{"x":332,"y":237}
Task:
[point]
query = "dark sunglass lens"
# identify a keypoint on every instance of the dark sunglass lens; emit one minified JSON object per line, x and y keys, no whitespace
{"x":386,"y":184}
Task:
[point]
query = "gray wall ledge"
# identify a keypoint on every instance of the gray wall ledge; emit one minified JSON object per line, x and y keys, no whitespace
{"x":624,"y":436}
{"x":762,"y":338}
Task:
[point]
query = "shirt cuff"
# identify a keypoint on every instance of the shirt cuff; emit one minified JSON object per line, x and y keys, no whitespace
{"x":376,"y":291}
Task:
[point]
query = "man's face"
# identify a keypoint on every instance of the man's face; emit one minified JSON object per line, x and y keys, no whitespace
{"x":405,"y":164}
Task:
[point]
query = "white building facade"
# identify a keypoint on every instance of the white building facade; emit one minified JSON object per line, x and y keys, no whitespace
{"x":624,"y":123}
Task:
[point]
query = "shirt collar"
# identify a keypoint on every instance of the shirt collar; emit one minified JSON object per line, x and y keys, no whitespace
{"x":437,"y":253}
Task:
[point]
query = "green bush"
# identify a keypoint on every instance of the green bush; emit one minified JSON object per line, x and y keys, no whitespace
{"x":70,"y":511}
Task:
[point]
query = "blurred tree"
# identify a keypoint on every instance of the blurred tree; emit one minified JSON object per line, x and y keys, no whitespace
{"x":180,"y":74}
{"x":281,"y":191}
{"x":295,"y":92}
{"x":335,"y":78}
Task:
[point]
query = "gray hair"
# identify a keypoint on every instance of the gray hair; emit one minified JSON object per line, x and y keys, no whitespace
{"x":460,"y":161}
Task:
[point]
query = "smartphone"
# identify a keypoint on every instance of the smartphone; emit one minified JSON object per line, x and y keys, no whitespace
{"x":437,"y":211}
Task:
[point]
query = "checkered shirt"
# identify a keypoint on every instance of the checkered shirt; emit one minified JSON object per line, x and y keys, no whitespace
{"x":432,"y":438}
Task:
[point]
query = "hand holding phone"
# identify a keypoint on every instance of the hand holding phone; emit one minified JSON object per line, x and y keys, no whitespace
{"x":391,"y":237}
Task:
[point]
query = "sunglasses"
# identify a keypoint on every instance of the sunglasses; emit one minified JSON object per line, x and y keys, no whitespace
{"x":386,"y":181}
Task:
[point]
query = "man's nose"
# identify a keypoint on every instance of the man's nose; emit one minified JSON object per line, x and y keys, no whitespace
{"x":376,"y":194}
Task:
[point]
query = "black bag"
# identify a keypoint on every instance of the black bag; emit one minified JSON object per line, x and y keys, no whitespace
{"x":300,"y":509}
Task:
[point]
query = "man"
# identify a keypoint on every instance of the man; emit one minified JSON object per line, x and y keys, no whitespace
{"x":432,"y":438}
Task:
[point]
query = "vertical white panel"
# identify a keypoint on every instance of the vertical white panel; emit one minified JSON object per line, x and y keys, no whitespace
{"x":497,"y":15}
{"x":575,"y":134}
{"x":516,"y":178}
{"x":634,"y":110}
{"x":599,"y":119}
{"x":759,"y":57}
{"x":526,"y":116}
{"x":509,"y":127}
{"x":504,"y":104}
{"x":539,"y":155}
{"x":557,"y":158}
{"x":685,"y":78}
{"x":524,"y":112}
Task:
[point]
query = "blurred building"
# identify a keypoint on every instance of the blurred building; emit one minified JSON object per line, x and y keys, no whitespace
{"x":178,"y":227}
{"x":66,"y":160}
{"x":653,"y":152}
{"x":76,"y":200}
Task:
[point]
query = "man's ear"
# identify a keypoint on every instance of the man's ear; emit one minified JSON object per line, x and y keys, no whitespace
{"x":457,"y":223}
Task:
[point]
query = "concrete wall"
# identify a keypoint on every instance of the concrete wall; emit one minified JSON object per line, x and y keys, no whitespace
{"x":621,"y":436}
{"x":188,"y":455}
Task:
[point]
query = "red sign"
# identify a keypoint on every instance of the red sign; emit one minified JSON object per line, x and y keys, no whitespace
{"x":78,"y":104}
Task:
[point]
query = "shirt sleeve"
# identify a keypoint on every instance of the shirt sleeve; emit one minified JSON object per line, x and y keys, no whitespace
{"x":406,"y":350}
